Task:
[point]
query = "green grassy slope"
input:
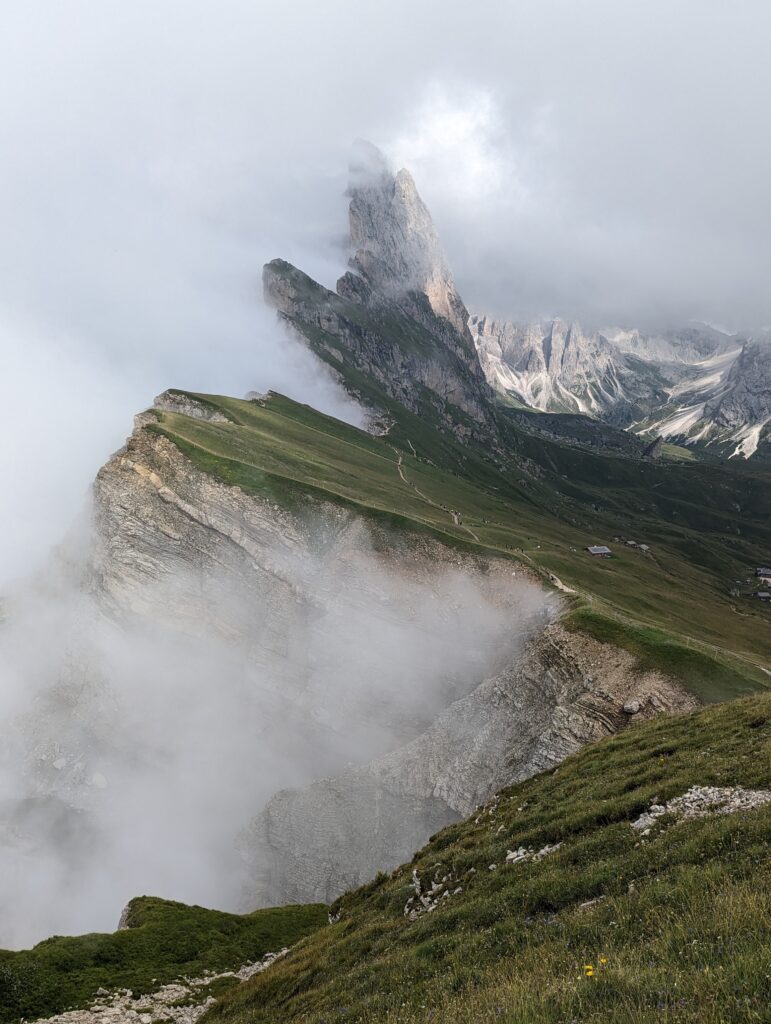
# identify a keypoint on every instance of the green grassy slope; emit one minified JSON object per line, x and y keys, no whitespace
{"x":680,"y":930}
{"x":673,"y":604}
{"x":164,"y":941}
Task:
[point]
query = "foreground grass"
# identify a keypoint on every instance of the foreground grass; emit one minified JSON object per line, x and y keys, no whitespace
{"x":164,"y":941}
{"x":681,"y":930}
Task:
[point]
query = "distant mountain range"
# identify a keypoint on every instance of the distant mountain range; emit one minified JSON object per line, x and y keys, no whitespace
{"x":399,"y":319}
{"x":696,"y":386}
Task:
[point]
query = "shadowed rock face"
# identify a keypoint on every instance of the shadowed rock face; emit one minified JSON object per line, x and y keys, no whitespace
{"x":397,"y":319}
{"x":747,"y":395}
{"x":413,"y":355}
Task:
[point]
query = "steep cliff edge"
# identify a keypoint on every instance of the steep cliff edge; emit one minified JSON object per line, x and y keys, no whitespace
{"x":397,"y":329}
{"x":416,"y":357}
{"x":285,"y":579}
{"x":337,"y":640}
{"x":563,"y":692}
{"x":396,"y":248}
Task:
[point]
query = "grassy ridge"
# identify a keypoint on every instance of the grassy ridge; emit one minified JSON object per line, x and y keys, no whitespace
{"x":711,"y":676}
{"x":680,"y":929}
{"x":282,"y":449}
{"x":164,"y":941}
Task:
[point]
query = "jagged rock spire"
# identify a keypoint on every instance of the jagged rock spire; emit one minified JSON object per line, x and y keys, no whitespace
{"x":396,"y":247}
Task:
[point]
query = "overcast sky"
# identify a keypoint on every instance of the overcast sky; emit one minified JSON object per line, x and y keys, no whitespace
{"x":606,"y":160}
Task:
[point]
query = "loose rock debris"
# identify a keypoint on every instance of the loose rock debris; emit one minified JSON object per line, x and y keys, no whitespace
{"x":701,"y":801}
{"x":528,"y":853}
{"x":428,"y":896}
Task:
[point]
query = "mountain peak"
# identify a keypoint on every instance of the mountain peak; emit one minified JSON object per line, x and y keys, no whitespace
{"x":396,"y":246}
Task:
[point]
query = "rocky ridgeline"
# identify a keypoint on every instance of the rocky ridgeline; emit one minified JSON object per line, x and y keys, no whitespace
{"x":396,"y":315}
{"x":186,"y":405}
{"x":179,"y":1002}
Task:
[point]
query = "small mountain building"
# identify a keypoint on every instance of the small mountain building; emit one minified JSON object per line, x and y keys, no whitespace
{"x":599,"y":551}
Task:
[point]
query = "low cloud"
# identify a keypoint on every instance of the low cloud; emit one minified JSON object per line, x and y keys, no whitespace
{"x":134,"y":750}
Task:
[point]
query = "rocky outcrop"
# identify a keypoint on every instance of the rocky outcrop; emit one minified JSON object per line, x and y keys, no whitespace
{"x":397,"y":319}
{"x":188,"y":405}
{"x":654,"y":449}
{"x":702,"y":802}
{"x":178,"y":1002}
{"x":396,"y":247}
{"x":413,"y":355}
{"x":396,"y":316}
{"x":567,"y":690}
{"x":161,"y":525}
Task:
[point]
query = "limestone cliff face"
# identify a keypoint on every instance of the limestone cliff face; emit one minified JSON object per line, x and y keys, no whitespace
{"x":566,"y":690}
{"x":695,"y":385}
{"x":396,"y":246}
{"x":160,"y":523}
{"x":746,"y":398}
{"x":396,"y":316}
{"x":556,"y":366}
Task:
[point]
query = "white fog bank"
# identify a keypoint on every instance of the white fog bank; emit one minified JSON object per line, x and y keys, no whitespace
{"x":133,"y":753}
